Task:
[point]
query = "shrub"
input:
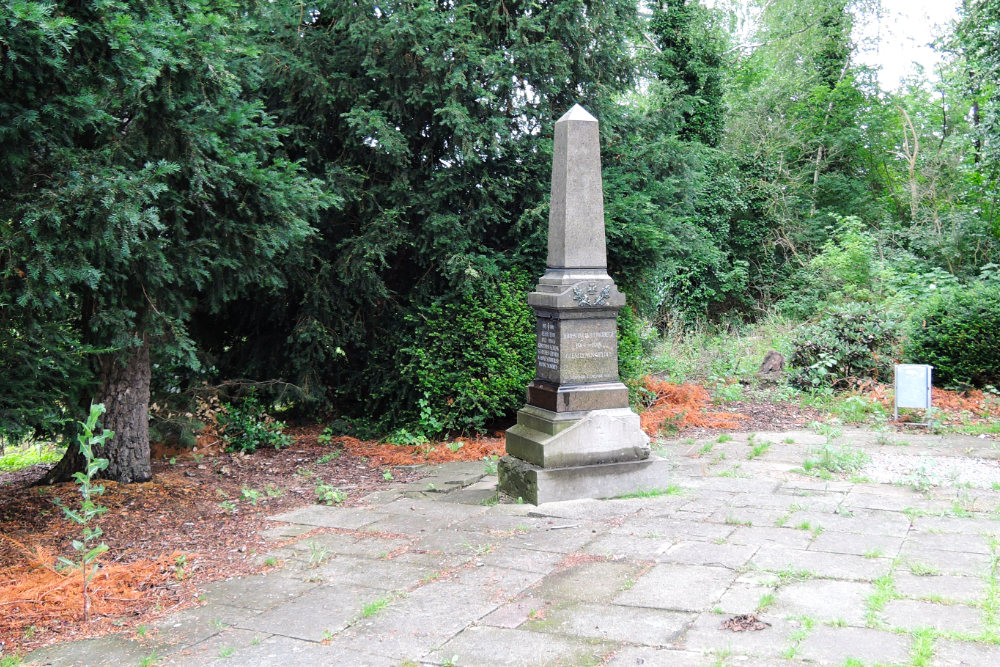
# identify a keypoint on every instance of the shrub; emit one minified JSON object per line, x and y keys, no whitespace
{"x":246,"y":427}
{"x":469,"y":360}
{"x":850,"y":343}
{"x":958,"y":332}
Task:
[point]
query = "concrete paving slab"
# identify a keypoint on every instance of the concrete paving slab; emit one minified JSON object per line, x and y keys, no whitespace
{"x":944,"y":562}
{"x":827,"y":645}
{"x":564,"y":536}
{"x":324,"y":516}
{"x":672,"y":527}
{"x":197,"y":624}
{"x":222,"y":646}
{"x":868,"y":522}
{"x":913,"y":614}
{"x":385,"y":575}
{"x":614,"y":545}
{"x":410,"y":627}
{"x":588,"y":581}
{"x":630,"y":656}
{"x":516,"y":612}
{"x":610,"y":622}
{"x":323,"y":611}
{"x":501,"y":646}
{"x":110,"y":651}
{"x":952,"y":652}
{"x":258,"y":592}
{"x":940,"y":587}
{"x":760,"y":535}
{"x":859,"y":544}
{"x":692,"y":552}
{"x":515,"y":558}
{"x":288,"y":652}
{"x":824,"y":600}
{"x":964,"y":542}
{"x":821,"y":563}
{"x":678,"y":587}
{"x":707,"y":636}
{"x":353,"y":544}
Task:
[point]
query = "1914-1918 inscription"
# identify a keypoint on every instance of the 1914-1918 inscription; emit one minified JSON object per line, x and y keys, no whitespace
{"x":577,"y":350}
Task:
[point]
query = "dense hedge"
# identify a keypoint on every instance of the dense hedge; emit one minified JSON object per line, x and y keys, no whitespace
{"x":958,"y":332}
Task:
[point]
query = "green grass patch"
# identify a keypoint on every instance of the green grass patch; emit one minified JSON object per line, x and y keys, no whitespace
{"x":834,"y":460}
{"x":669,"y":490}
{"x":17,"y":457}
{"x":376,"y":606}
{"x":758,"y":449}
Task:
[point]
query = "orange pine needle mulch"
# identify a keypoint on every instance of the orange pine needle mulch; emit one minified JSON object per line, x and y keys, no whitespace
{"x":387,"y":454}
{"x":34,"y":592}
{"x":972,"y":405}
{"x":682,"y":405}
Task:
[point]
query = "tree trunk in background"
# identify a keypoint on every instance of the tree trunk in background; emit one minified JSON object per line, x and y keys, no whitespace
{"x":124,"y":390}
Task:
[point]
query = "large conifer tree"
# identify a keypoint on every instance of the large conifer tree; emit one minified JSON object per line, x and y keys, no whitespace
{"x":138,"y":176}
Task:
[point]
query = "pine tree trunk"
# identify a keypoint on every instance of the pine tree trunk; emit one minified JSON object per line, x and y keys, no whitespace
{"x":124,"y":391}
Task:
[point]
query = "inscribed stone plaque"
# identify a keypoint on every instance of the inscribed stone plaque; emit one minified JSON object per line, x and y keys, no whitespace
{"x":547,"y":352}
{"x":588,"y":350}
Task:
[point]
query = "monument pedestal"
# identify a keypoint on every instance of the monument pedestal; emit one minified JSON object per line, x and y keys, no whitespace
{"x":577,"y":436}
{"x":537,"y":485}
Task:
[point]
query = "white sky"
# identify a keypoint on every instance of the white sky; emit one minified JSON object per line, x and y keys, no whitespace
{"x":902,"y":35}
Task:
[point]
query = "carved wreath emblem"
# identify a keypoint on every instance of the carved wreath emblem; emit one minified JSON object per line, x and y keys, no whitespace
{"x":590,"y":296}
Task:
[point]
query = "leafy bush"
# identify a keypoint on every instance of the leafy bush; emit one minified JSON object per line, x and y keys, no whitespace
{"x":246,"y":427}
{"x":958,"y":332}
{"x":469,"y":360}
{"x":844,"y":271}
{"x":850,"y":343}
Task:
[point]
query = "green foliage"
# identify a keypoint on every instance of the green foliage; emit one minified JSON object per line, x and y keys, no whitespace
{"x":246,"y":426}
{"x":467,"y":362}
{"x":848,"y":344}
{"x":957,"y":332}
{"x":25,"y":454}
{"x":329,"y":495}
{"x":89,"y":510}
{"x":141,"y":180}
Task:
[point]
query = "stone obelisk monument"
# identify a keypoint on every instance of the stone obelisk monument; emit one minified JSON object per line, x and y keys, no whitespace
{"x":577,"y":436}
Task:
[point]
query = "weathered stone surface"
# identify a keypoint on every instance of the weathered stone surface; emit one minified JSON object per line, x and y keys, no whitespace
{"x":707,"y":635}
{"x":609,"y":622}
{"x":545,"y":485}
{"x":550,"y":440}
{"x":952,"y":652}
{"x":835,"y":646}
{"x":321,"y":611}
{"x":577,"y":414}
{"x":820,"y":563}
{"x":329,"y":517}
{"x":588,"y":582}
{"x":576,"y":214}
{"x":944,"y":587}
{"x":858,"y":544}
{"x":911,"y":614}
{"x":499,"y":646}
{"x":824,"y":600}
{"x":678,"y":587}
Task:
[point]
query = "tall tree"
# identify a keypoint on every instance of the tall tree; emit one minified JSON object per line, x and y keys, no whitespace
{"x":139,"y":177}
{"x":433,"y":119}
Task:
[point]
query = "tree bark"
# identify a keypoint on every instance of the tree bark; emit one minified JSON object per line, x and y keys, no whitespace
{"x":124,"y":390}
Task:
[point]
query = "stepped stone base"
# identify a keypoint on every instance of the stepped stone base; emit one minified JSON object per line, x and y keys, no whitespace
{"x":565,"y":439}
{"x":537,"y":485}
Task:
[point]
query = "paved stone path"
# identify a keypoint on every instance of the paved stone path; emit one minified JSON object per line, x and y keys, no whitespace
{"x":842,"y":571}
